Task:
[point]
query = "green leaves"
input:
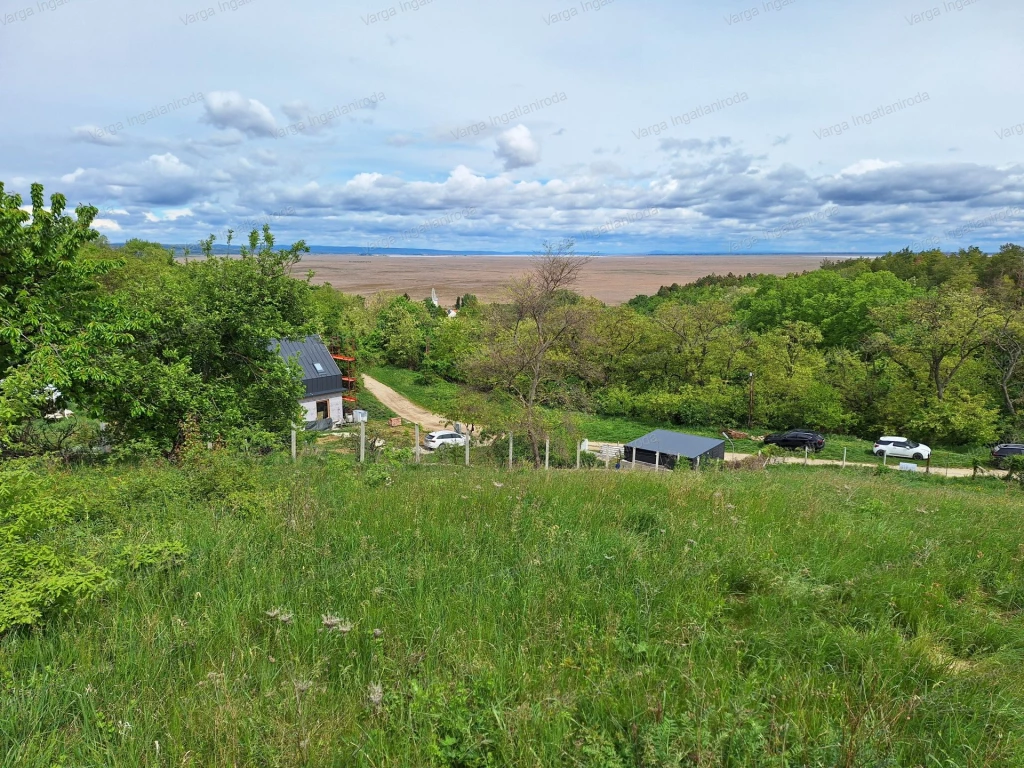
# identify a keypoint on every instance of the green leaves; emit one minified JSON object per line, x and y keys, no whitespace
{"x":34,"y":577}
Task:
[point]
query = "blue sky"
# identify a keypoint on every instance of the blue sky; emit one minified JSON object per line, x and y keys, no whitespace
{"x":675,"y":126}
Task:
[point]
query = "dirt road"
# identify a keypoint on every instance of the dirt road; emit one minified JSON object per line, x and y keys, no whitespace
{"x":409,"y":411}
{"x":404,"y":407}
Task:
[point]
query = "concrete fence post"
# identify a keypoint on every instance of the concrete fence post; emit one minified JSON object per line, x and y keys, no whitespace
{"x":294,"y":454}
{"x":657,"y":460}
{"x":578,"y":447}
{"x":510,"y":450}
{"x":362,"y":441}
{"x":416,"y":447}
{"x":806,"y":452}
{"x":467,"y":450}
{"x":547,"y":453}
{"x":844,"y":458}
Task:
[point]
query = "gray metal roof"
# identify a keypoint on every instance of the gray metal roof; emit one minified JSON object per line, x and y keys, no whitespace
{"x":676,"y":443}
{"x":309,"y":353}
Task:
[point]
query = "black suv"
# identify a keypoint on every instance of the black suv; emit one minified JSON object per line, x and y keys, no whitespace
{"x":1006,"y":450}
{"x":796,"y":438}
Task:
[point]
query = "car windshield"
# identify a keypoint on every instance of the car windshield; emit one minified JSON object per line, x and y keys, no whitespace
{"x":912,"y":444}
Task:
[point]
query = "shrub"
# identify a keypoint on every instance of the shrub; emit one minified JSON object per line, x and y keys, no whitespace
{"x":34,"y":577}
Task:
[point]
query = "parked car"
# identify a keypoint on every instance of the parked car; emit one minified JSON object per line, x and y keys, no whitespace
{"x":795,"y":439}
{"x":1006,"y":450}
{"x":901,"y":447}
{"x":435,"y":440}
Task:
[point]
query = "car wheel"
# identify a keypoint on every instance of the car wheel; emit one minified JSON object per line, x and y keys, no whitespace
{"x":918,"y":457}
{"x":879,"y":454}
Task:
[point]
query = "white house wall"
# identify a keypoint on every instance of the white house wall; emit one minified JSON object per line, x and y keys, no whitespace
{"x":335,"y":405}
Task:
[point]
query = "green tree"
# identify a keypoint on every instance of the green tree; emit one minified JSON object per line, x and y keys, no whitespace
{"x":936,"y":335}
{"x":56,"y":324}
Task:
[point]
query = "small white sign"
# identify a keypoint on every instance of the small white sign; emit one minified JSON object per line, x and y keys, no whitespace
{"x":906,"y":466}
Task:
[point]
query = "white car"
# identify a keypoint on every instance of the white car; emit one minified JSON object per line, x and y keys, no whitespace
{"x":436,"y":440}
{"x":902,"y":448}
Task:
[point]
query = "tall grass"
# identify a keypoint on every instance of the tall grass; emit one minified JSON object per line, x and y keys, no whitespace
{"x":484,"y":618}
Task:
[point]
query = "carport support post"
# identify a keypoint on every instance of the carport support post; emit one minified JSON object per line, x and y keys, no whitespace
{"x":362,"y":441}
{"x":467,"y":450}
{"x":547,"y":453}
{"x":416,"y":447}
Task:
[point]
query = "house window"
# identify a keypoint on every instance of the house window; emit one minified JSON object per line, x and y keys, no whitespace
{"x":323,"y":410}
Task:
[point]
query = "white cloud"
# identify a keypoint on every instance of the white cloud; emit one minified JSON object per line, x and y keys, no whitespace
{"x":868,"y":166}
{"x":71,"y":178}
{"x":517,"y":148}
{"x":108,"y":225}
{"x":229,"y":109}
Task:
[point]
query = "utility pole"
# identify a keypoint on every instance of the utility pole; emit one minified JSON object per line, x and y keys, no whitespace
{"x":750,"y":406}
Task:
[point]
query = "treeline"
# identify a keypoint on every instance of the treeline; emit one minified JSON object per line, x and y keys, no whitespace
{"x":159,"y":350}
{"x":926,"y":343}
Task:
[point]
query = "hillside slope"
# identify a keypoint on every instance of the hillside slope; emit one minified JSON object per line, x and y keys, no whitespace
{"x":443,"y":616}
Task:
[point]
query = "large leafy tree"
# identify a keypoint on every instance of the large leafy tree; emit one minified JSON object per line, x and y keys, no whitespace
{"x":935,"y":336}
{"x":57,"y":325}
{"x":203,"y":351}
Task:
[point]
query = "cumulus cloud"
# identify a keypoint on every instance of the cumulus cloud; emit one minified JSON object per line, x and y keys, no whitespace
{"x":71,"y":178}
{"x":106,"y":225}
{"x":229,"y":109}
{"x":517,"y":148}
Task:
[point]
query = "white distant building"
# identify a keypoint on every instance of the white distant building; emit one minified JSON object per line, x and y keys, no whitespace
{"x":325,"y":387}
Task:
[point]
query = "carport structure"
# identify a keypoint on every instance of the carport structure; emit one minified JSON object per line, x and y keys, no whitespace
{"x":663,"y":449}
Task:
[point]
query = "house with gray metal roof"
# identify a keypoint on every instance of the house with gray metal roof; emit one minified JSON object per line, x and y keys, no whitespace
{"x":325,"y":388}
{"x":663,"y":449}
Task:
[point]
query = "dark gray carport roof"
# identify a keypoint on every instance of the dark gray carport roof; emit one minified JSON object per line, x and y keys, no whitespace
{"x":676,"y":443}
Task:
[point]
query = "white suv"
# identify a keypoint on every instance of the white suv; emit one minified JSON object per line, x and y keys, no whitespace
{"x":901,"y":447}
{"x":435,"y":440}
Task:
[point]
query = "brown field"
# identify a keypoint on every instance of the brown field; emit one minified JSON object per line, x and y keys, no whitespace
{"x":612,"y":279}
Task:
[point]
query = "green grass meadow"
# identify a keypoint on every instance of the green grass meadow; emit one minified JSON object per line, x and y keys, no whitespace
{"x":475,"y":617}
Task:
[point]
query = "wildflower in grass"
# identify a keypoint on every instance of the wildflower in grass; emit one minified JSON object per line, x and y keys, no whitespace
{"x":378,"y":634}
{"x":334,"y":624}
{"x":273,"y":613}
{"x":301,"y":686}
{"x":285,"y":618}
{"x":375,"y":695}
{"x":498,"y":485}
